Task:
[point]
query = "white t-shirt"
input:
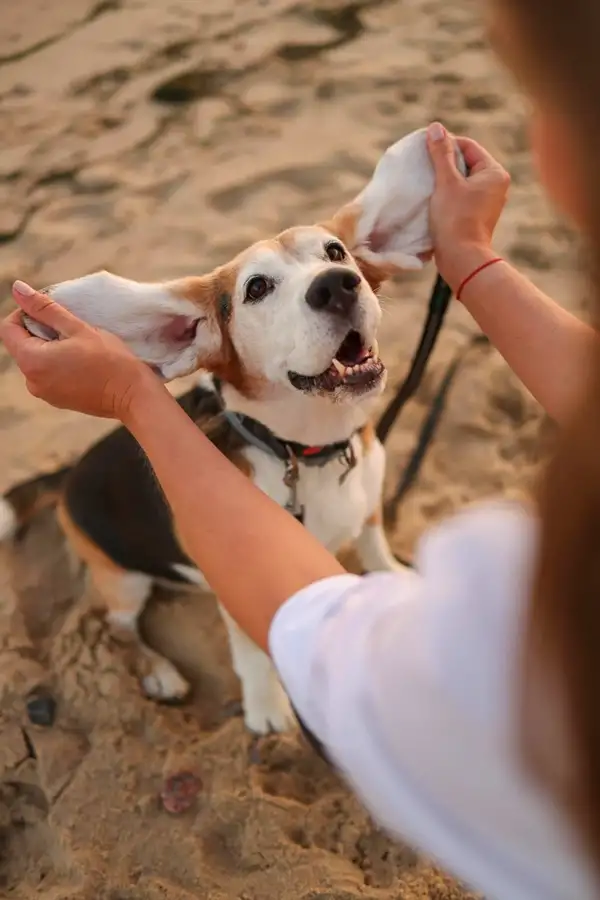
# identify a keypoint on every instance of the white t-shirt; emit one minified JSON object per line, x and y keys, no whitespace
{"x":412,"y":683}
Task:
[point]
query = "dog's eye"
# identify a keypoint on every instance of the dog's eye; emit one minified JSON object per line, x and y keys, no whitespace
{"x":335,"y":252}
{"x":257,"y":287}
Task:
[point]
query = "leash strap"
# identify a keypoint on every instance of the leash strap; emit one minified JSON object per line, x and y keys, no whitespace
{"x":429,"y":427}
{"x":438,"y":306}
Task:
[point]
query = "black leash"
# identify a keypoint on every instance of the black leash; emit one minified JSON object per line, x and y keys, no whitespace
{"x":438,"y":306}
{"x":429,"y":427}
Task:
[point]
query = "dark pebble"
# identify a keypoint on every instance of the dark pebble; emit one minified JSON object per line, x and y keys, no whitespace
{"x":41,"y":709}
{"x":179,"y":792}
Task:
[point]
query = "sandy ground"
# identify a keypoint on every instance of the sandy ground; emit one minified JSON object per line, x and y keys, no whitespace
{"x":155,"y":139}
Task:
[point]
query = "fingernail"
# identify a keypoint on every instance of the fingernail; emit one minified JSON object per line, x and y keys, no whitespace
{"x":436,"y":132}
{"x":25,"y":290}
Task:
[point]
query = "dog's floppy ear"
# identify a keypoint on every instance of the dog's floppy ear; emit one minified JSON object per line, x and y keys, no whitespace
{"x":386,"y":228}
{"x":174,"y":327}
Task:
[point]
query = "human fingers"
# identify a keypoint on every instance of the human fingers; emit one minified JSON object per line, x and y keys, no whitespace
{"x":443,"y":154}
{"x":15,"y":337}
{"x":476,"y":157}
{"x":42,"y":308}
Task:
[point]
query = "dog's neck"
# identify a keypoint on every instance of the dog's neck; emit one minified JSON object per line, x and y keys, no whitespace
{"x":313,"y":421}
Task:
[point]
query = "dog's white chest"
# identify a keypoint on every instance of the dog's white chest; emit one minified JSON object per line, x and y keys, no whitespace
{"x":335,"y":508}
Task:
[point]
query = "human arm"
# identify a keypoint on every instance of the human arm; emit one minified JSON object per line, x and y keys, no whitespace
{"x":546,"y":346}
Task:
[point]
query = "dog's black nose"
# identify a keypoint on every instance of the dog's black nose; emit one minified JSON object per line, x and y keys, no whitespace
{"x":334,"y":291}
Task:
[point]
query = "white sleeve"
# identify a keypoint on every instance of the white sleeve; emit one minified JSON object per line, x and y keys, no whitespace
{"x":410,"y":681}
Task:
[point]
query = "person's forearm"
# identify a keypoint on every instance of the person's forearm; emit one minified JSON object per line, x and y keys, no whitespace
{"x":253,"y":553}
{"x":546,"y":346}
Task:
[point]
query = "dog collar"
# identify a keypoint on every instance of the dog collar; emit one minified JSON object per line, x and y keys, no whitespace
{"x":291,"y":453}
{"x":262,"y":437}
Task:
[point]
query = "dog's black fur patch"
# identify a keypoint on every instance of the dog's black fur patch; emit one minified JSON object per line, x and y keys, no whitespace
{"x":113,"y":497}
{"x":225,"y":307}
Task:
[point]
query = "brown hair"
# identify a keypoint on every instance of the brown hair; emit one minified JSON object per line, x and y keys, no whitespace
{"x":563,"y":640}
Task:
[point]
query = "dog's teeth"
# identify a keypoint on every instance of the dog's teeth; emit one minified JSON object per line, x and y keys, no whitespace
{"x":340,"y":368}
{"x":375,"y":349}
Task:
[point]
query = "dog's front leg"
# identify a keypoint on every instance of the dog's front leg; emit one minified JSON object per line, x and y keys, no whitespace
{"x":373,"y":549}
{"x":266,"y":705}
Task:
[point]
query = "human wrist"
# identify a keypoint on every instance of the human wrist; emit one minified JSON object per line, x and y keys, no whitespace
{"x":143,"y":390}
{"x":463,"y":261}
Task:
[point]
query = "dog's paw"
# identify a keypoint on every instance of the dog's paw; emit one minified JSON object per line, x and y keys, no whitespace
{"x":165,"y":684}
{"x":268,"y":715}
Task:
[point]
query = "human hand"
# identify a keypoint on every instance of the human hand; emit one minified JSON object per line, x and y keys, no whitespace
{"x":85,"y":369}
{"x":463,"y":211}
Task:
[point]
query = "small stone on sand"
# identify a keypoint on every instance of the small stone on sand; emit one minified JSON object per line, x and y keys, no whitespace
{"x":41,"y":709}
{"x":179,"y":792}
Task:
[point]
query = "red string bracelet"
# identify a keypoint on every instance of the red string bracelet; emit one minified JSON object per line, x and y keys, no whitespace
{"x":490,"y":262}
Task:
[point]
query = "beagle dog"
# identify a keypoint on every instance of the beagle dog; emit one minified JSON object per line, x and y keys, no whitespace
{"x":286,"y":335}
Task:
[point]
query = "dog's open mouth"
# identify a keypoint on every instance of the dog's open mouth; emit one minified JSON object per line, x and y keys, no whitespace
{"x":354,"y":366}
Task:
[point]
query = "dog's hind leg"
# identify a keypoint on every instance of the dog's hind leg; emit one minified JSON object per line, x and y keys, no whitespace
{"x":125,"y":595}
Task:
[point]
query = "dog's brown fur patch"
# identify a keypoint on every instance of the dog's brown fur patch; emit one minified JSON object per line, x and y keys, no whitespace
{"x":367,"y":437}
{"x":206,"y":292}
{"x":375,"y":518}
{"x":343,"y":225}
{"x":104,"y":572}
{"x":287,"y":240}
{"x":87,"y":551}
{"x":31,"y":497}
